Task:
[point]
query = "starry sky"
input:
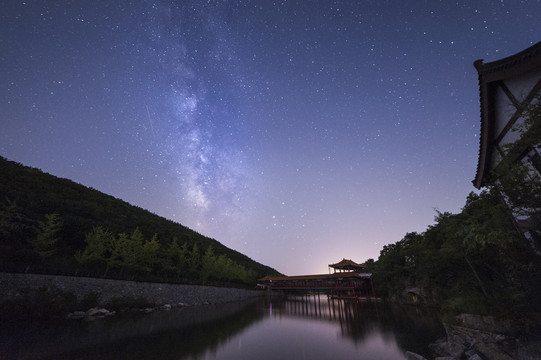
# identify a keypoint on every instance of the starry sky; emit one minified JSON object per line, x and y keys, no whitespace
{"x":296,"y":132}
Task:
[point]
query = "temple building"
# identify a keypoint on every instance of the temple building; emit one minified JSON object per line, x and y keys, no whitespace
{"x":508,"y":88}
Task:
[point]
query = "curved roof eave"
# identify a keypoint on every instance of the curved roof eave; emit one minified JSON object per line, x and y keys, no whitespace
{"x":489,"y":74}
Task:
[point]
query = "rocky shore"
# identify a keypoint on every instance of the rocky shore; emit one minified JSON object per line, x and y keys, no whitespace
{"x":100,"y":312}
{"x":475,"y":337}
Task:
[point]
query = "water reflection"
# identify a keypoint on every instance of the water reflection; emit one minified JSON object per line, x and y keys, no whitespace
{"x":176,"y":334}
{"x":407,"y":328}
{"x":294,"y":328}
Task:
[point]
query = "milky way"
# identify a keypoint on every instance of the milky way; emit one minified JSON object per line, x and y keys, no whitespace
{"x":296,"y":132}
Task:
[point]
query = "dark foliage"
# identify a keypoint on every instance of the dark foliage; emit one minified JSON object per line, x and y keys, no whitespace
{"x":474,"y":261}
{"x":45,"y":222}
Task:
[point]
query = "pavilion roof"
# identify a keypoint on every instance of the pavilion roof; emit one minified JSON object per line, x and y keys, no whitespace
{"x":346,"y":264}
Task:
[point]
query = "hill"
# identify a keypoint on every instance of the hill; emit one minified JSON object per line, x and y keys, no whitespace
{"x":54,"y":225}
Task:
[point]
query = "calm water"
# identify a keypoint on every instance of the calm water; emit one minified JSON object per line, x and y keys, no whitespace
{"x":308,"y":327}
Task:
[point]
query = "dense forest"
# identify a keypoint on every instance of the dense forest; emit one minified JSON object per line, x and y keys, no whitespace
{"x":474,"y":261}
{"x":54,"y":225}
{"x":477,"y":261}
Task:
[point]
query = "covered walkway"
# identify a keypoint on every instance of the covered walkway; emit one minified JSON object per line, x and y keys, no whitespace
{"x":350,"y":284}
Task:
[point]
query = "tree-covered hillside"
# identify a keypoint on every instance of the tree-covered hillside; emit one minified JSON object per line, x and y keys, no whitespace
{"x":54,"y":225}
{"x":474,"y":261}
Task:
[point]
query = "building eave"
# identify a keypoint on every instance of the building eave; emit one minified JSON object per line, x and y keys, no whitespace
{"x":489,"y":74}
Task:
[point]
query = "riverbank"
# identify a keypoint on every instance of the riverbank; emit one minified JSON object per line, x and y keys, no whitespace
{"x":16,"y":288}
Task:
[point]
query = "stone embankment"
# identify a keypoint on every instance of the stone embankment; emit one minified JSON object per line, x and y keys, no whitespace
{"x":12,"y":285}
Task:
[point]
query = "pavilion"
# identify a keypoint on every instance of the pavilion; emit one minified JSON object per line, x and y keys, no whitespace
{"x":348,"y":281}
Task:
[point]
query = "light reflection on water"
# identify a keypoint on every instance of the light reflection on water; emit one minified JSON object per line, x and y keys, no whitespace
{"x":309,"y":327}
{"x":313,"y":327}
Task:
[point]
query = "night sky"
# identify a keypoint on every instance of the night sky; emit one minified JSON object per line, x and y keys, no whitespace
{"x":296,"y":132}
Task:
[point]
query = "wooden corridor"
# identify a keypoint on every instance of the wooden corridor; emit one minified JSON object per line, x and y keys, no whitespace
{"x":342,"y":283}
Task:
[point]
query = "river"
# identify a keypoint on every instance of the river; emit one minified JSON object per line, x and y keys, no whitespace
{"x":301,"y":327}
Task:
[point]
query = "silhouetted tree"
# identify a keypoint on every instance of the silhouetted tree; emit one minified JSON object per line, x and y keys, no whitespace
{"x":99,"y":248}
{"x":208,"y":265}
{"x":149,"y":254}
{"x":47,"y":237}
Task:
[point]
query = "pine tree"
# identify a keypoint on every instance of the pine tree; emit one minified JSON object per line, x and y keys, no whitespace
{"x":208,"y":265}
{"x":45,"y":243}
{"x":149,"y":253}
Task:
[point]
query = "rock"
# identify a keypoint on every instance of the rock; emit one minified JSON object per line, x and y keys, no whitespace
{"x":166,"y":307}
{"x":413,"y":356}
{"x":95,"y":312}
{"x":92,"y":312}
{"x":103,"y":311}
{"x":470,"y":353}
{"x":530,"y":350}
{"x":439,"y":347}
{"x":472,"y":344}
{"x":77,"y":315}
{"x":490,"y":351}
{"x":483,"y":323}
{"x":458,"y":341}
